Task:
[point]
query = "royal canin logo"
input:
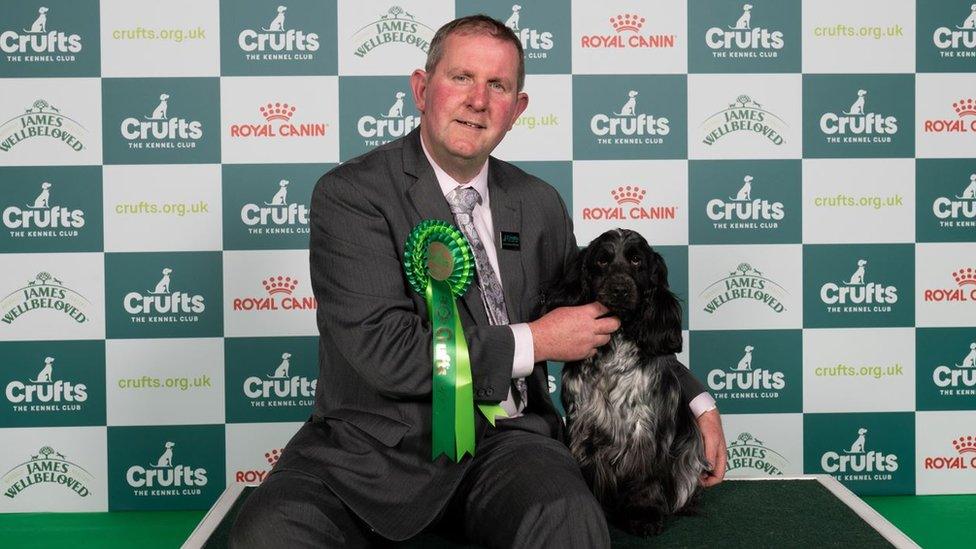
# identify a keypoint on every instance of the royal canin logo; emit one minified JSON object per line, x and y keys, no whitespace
{"x":627,"y":34}
{"x":255,"y":476}
{"x":629,"y":199}
{"x":965,"y":447}
{"x":963,"y":108}
{"x":965,"y":290}
{"x":277,"y":123}
{"x":279,"y":289}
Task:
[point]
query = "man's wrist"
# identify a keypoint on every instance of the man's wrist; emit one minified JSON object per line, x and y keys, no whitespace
{"x":701,"y":404}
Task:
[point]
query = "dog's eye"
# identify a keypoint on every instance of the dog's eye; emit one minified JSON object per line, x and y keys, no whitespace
{"x":602,"y":262}
{"x":635,"y":261}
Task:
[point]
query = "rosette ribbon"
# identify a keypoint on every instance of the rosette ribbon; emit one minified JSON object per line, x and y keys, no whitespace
{"x":440,"y":266}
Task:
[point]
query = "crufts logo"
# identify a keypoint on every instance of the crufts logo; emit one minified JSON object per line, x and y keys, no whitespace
{"x":278,"y":216}
{"x":854,"y":295}
{"x":748,"y":452}
{"x":46,"y":393}
{"x":41,"y":119}
{"x":45,"y":291}
{"x":275,"y":285}
{"x":535,"y":43}
{"x":965,"y":447}
{"x":742,"y":381}
{"x":43,"y":219}
{"x":628,"y":126}
{"x":280,"y":388}
{"x":963,"y":108}
{"x":958,"y":210}
{"x":742,"y":211}
{"x":161,"y":131}
{"x":381,"y":129}
{"x":163,"y":305}
{"x":629,"y":199}
{"x":163,"y":478}
{"x":743,"y":39}
{"x":277,"y":42}
{"x":856,"y":125}
{"x":627,"y":34}
{"x":44,"y":45}
{"x":957,"y":379}
{"x":251,"y":476}
{"x":744,"y":115}
{"x":963,"y":277}
{"x":862,"y":464}
{"x":962,"y":37}
{"x":48,"y":466}
{"x":277,"y":117}
{"x":745,"y":282}
{"x":396,"y":26}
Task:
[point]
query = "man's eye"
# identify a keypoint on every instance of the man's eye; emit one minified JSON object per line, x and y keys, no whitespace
{"x":497,"y":86}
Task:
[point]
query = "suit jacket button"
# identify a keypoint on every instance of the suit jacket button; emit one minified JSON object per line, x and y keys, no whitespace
{"x":489,"y":390}
{"x":481,"y":392}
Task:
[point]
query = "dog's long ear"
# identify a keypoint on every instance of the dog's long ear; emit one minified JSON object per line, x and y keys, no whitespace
{"x":660,"y":328}
{"x":571,"y":288}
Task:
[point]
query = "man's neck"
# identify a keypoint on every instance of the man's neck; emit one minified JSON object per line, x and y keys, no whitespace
{"x":462,"y":172}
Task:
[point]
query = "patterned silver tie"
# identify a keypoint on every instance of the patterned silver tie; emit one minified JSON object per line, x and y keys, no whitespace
{"x":462,"y":201}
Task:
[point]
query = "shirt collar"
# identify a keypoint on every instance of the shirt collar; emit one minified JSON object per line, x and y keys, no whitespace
{"x":448,"y":183}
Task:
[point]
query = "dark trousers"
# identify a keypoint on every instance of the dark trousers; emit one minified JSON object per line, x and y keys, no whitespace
{"x":522,"y":489}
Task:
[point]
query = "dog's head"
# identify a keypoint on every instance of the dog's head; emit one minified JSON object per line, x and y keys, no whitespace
{"x":620,"y":270}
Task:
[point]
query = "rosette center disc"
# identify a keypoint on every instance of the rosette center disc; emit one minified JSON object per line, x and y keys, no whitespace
{"x":440,"y":261}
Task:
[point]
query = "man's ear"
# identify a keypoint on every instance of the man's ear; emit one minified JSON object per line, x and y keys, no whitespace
{"x":418,"y":83}
{"x":522,"y":102}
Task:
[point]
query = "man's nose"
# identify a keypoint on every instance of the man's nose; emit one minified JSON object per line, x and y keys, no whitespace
{"x":478,"y":97}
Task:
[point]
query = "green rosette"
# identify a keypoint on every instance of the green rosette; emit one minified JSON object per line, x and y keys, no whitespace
{"x":440,"y":266}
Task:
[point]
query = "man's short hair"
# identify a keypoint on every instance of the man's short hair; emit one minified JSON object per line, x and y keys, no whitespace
{"x":474,"y":24}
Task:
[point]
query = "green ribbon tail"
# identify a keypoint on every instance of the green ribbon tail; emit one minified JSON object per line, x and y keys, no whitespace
{"x":492,"y":411}
{"x":464,"y":401}
{"x":440,"y":302}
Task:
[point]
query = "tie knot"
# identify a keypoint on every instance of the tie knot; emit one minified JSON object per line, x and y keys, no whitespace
{"x":463,"y":199}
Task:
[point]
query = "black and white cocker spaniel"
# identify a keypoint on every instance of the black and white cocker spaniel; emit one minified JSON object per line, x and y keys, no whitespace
{"x":636,"y":441}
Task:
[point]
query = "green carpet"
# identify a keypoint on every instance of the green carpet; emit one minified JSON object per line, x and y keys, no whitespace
{"x":934,"y":522}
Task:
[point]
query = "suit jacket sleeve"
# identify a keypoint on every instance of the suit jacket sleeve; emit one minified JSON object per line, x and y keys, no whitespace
{"x":365,"y":304}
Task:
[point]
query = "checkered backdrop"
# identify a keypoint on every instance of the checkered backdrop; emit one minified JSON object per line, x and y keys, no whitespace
{"x":805,"y":168}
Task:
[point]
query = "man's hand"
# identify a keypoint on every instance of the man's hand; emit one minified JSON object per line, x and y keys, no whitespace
{"x":572,"y":333}
{"x":710,"y":425}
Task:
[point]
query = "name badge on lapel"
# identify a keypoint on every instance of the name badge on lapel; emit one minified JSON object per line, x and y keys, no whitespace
{"x":511,"y":241}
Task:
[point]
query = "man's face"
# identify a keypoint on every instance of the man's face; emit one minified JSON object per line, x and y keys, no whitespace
{"x":470,"y":100}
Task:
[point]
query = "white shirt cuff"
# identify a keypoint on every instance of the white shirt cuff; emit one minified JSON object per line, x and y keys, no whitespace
{"x":701,"y":404}
{"x":522,"y":363}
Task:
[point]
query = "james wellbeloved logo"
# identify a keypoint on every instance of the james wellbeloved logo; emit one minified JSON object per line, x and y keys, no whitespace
{"x":47,"y":466}
{"x":280,"y":290}
{"x":946,"y":200}
{"x":850,"y":285}
{"x":759,"y":36}
{"x":626,"y":30}
{"x":56,"y":209}
{"x":961,"y":457}
{"x":748,"y":455}
{"x":858,"y":116}
{"x":629,"y":201}
{"x":262,"y":38}
{"x":744,"y":115}
{"x":44,"y":121}
{"x":54,"y":39}
{"x":395,"y":27}
{"x":46,"y":292}
{"x":278,"y":124}
{"x":870,"y":453}
{"x":744,"y":283}
{"x":270,"y":379}
{"x":617,"y":122}
{"x":267,"y":206}
{"x":964,"y":121}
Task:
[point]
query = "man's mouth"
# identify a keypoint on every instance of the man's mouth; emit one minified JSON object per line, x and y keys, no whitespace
{"x":470,"y":124}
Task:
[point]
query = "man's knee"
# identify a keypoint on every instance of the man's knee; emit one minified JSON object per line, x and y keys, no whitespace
{"x":575,"y":519}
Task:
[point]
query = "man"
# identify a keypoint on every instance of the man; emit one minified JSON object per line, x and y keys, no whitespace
{"x":360,"y":471}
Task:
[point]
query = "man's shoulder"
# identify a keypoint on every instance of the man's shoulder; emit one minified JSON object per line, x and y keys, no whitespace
{"x":523,"y":183}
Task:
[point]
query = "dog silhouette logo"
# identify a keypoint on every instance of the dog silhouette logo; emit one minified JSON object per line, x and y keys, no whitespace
{"x":166,"y":458}
{"x":45,"y":374}
{"x":970,"y":360}
{"x":630,"y":107}
{"x":968,"y":24}
{"x":280,"y":198}
{"x":857,"y":447}
{"x":745,"y":192}
{"x":857,"y":108}
{"x":162,"y":287}
{"x":396,"y":110}
{"x":40,"y":24}
{"x":745,"y":363}
{"x":159,"y":113}
{"x":43,"y":200}
{"x":278,"y":23}
{"x":857,"y":279}
{"x":969,"y":193}
{"x":513,"y":20}
{"x":745,"y":20}
{"x":281,"y":372}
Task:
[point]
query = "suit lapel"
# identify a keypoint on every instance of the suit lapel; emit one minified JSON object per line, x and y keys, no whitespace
{"x":426,"y":196}
{"x":506,"y":215}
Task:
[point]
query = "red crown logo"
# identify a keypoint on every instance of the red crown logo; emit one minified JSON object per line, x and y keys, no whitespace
{"x":965,"y":444}
{"x":277,"y":111}
{"x":965,"y":107}
{"x":280,"y":285}
{"x":631,"y":194}
{"x":965,"y":276}
{"x":627,"y":22}
{"x":273,"y":455}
